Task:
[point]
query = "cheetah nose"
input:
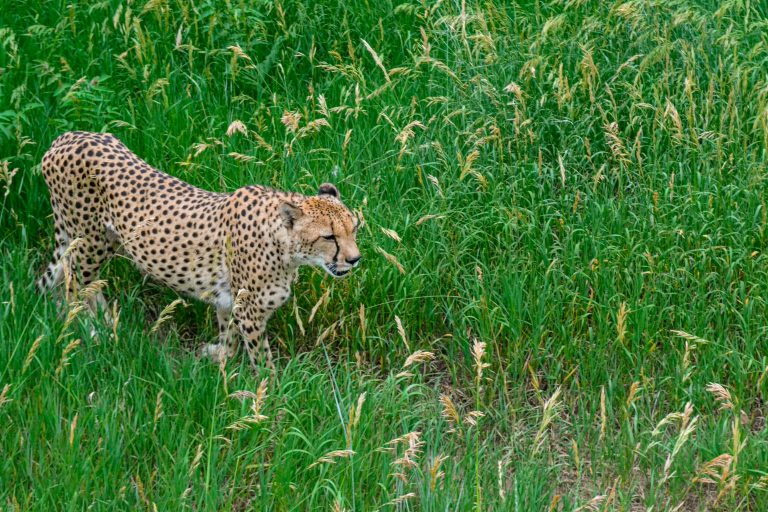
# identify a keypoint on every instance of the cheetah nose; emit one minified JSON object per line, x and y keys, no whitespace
{"x":354,"y":260}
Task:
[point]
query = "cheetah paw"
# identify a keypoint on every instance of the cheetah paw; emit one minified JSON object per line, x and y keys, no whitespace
{"x":215,"y":352}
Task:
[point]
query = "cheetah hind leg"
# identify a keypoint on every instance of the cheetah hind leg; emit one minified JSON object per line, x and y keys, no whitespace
{"x":81,"y":269}
{"x":228,"y":339}
{"x":57,"y":272}
{"x":54,"y":274}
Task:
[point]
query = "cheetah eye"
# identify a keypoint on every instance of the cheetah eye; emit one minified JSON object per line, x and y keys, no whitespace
{"x":330,"y":237}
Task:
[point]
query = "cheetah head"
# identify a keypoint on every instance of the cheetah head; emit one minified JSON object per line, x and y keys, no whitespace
{"x":324,"y":231}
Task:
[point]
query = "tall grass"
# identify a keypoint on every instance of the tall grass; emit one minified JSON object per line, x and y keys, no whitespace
{"x":570,"y":192}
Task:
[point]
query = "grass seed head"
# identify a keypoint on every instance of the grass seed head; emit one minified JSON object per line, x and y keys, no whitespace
{"x":236,"y":126}
{"x":721,"y":394}
{"x":401,"y":332}
{"x":166,"y":314}
{"x":4,"y":395}
{"x":450,"y":412}
{"x":291,"y":120}
{"x":478,"y":351}
{"x":64,"y":362}
{"x":331,"y":457}
{"x":420,"y":356}
{"x":31,"y":354}
{"x":391,"y":233}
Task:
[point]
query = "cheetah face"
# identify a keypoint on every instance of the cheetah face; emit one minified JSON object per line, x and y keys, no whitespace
{"x":325,"y":231}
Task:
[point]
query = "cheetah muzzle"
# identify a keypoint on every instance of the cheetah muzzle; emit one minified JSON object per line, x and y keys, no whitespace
{"x":239,"y":252}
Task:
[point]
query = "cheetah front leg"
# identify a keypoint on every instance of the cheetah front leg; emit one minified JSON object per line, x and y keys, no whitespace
{"x":228,"y":339}
{"x":251,"y":320}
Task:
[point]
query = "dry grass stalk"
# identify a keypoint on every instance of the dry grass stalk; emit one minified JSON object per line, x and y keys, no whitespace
{"x":690,"y":337}
{"x":330,"y":457}
{"x":7,"y":176}
{"x":671,"y":112}
{"x":391,"y":233}
{"x":322,"y":300}
{"x":242,"y":395}
{"x":297,"y":316}
{"x":687,"y":427}
{"x":686,"y":365}
{"x":328,"y":330}
{"x":406,"y":134}
{"x":621,"y":322}
{"x":722,"y":395}
{"x":420,"y":356}
{"x":166,"y":314}
{"x":435,"y":473}
{"x":363,"y":323}
{"x":409,"y":459}
{"x":603,"y":415}
{"x":241,"y":157}
{"x":257,"y":402}
{"x":72,"y":429}
{"x":618,"y":149}
{"x":478,"y":351}
{"x":355,"y":419}
{"x":72,"y":247}
{"x":427,"y":217}
{"x":715,"y":471}
{"x":472,"y":416}
{"x":400,"y":499}
{"x":323,"y":104}
{"x":436,"y":183}
{"x":196,"y":460}
{"x":4,"y":395}
{"x":401,"y":332}
{"x":450,"y":412}
{"x":158,"y":406}
{"x":412,"y":439}
{"x":466,"y":163}
{"x":376,"y":59}
{"x":64,"y":362}
{"x":115,"y":320}
{"x":634,"y":389}
{"x":347,"y":140}
{"x":312,"y":127}
{"x":238,"y":52}
{"x":31,"y":354}
{"x":263,"y":144}
{"x":92,"y":289}
{"x":392,"y":259}
{"x":575,"y":451}
{"x":549,"y":412}
{"x":594,"y":505}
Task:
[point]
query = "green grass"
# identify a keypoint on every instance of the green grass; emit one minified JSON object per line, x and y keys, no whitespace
{"x":579,"y":184}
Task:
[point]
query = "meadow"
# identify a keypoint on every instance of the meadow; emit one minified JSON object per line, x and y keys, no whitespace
{"x":563,"y":298}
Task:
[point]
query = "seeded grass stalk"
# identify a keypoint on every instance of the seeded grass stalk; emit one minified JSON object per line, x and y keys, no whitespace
{"x":579,"y":186}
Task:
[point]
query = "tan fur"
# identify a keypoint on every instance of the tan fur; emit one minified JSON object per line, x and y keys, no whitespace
{"x":238,"y":249}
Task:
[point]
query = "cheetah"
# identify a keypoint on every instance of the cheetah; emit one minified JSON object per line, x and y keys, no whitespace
{"x":238,"y":252}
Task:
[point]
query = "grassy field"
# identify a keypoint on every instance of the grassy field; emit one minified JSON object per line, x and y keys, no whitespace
{"x":563,"y":299}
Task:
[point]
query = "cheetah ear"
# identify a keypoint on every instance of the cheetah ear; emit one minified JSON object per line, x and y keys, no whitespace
{"x":290,"y":213}
{"x":328,"y":189}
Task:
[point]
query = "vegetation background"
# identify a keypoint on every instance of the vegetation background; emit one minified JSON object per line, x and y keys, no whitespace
{"x":563,"y":299}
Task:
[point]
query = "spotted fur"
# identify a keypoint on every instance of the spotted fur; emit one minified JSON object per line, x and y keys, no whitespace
{"x":239,"y":252}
